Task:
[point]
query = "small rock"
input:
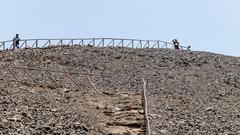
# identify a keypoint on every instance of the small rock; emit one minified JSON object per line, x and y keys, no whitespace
{"x":163,"y":131}
{"x":209,"y":109}
{"x":116,"y":109}
{"x":54,"y":109}
{"x":4,"y":120}
{"x":181,"y":122}
{"x":141,"y":111}
{"x":100,"y":107}
{"x":124,"y":95}
{"x":16,"y":118}
{"x":65,"y":90}
{"x":153,"y":116}
{"x":77,"y":124}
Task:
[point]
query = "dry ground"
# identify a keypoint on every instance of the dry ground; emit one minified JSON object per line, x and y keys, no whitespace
{"x":40,"y":110}
{"x":188,"y":92}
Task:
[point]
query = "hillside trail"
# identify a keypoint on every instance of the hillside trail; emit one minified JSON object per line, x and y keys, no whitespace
{"x":118,"y":113}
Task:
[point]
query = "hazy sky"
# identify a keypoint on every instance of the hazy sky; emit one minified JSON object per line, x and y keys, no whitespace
{"x":206,"y":25}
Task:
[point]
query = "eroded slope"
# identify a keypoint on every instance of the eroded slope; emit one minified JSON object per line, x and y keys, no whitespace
{"x":188,"y":92}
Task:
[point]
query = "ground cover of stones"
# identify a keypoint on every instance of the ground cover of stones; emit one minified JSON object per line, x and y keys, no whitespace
{"x":188,"y":92}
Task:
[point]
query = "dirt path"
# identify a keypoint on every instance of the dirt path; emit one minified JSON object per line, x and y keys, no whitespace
{"x":117,"y":113}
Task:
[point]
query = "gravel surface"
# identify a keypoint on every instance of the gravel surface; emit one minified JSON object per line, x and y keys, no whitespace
{"x":188,"y":92}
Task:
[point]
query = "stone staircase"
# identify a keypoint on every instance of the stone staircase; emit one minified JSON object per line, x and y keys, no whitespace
{"x":125,"y":116}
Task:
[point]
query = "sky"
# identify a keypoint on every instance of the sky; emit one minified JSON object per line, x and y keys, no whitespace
{"x":206,"y":25}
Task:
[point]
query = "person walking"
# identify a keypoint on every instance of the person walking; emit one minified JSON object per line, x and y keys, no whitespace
{"x":16,"y":41}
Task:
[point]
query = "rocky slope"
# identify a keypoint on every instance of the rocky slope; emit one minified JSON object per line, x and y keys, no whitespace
{"x":188,"y":92}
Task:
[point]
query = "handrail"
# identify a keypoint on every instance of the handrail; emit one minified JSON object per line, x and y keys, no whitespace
{"x":145,"y":107}
{"x":87,"y":39}
{"x":98,"y":42}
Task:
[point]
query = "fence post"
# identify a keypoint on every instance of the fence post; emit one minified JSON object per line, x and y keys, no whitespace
{"x":94,"y":42}
{"x":61,"y":42}
{"x":36,"y":43}
{"x":4,"y":46}
{"x":72,"y":42}
{"x":132,"y":43}
{"x":122,"y":42}
{"x":103,"y":42}
{"x":25,"y":42}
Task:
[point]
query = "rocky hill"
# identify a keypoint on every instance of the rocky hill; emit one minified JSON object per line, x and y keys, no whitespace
{"x":98,"y":91}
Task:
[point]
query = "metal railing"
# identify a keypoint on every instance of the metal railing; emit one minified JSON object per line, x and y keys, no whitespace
{"x":97,"y":42}
{"x":145,"y":107}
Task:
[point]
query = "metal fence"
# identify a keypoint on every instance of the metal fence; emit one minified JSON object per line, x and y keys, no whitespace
{"x":97,"y":42}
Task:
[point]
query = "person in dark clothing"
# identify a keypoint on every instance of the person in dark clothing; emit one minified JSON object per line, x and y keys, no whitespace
{"x":16,"y":41}
{"x":176,"y":44}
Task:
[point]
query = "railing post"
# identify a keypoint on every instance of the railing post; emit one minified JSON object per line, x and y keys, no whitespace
{"x":61,"y":42}
{"x":103,"y":42}
{"x":82,"y":42}
{"x":113,"y":42}
{"x":93,"y":42}
{"x":158,"y":44}
{"x":132,"y":43}
{"x":4,"y":47}
{"x":122,"y":42}
{"x":25,"y":42}
{"x":36,"y":43}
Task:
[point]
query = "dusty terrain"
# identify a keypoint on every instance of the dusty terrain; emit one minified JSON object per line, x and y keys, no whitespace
{"x":34,"y":110}
{"x":188,"y":92}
